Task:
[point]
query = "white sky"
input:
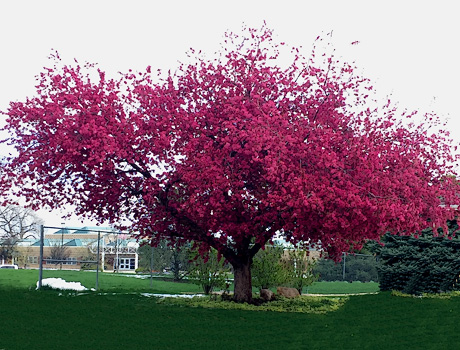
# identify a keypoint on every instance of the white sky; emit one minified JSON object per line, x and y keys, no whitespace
{"x":410,"y":49}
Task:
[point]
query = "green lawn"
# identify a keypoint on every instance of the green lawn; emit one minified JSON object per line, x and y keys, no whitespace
{"x":119,"y":282}
{"x":107,"y":281}
{"x":45,"y":320}
{"x":341,"y":288}
{"x":48,"y":319}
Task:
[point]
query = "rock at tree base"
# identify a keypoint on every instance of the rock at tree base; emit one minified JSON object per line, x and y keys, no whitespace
{"x":288,"y":292}
{"x":266,"y":294}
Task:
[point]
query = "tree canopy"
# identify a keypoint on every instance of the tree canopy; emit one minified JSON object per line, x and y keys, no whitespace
{"x":230,"y":151}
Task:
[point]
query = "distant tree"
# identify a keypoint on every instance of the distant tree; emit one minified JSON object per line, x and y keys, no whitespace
{"x":169,"y":256}
{"x":328,"y":270}
{"x":22,"y":256}
{"x":230,"y":151}
{"x":180,"y":260}
{"x":162,"y":256}
{"x":361,"y":268}
{"x":90,"y":260}
{"x":58,"y":253}
{"x":16,"y":223}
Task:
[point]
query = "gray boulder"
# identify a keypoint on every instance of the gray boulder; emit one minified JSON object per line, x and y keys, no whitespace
{"x":266,"y":294}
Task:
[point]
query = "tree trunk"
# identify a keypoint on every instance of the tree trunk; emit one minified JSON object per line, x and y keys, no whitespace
{"x":243,"y":282}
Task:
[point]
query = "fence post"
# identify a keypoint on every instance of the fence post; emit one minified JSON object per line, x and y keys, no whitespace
{"x":40,"y":265}
{"x":98,"y":256}
{"x":151,"y":267}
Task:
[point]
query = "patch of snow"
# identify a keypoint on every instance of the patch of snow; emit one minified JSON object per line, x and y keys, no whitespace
{"x":171,"y":295}
{"x":59,"y":283}
{"x":142,"y":276}
{"x":134,"y":276}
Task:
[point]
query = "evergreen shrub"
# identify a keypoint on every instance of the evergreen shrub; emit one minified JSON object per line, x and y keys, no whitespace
{"x":425,"y":264}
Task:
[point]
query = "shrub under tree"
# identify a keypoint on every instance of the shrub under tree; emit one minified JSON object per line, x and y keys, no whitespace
{"x":300,"y":268}
{"x":209,"y":272}
{"x":268,"y":268}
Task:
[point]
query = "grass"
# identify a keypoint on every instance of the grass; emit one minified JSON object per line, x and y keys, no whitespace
{"x":119,"y":282}
{"x":53,"y":320}
{"x":45,"y":320}
{"x":108,"y":282}
{"x":341,"y":288}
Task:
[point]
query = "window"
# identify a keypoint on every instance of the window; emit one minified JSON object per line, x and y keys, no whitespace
{"x":126,"y":263}
{"x":32,"y":260}
{"x":70,"y":261}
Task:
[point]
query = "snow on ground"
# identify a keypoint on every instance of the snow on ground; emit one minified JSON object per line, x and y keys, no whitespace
{"x":59,"y":283}
{"x":171,"y":295}
{"x":143,"y":276}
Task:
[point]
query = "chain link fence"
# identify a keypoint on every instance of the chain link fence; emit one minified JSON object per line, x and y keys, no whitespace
{"x":352,"y":268}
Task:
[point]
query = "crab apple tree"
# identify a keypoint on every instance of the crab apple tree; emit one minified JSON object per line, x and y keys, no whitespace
{"x":230,"y":152}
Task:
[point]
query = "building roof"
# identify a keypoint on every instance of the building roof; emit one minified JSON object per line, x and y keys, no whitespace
{"x":84,"y":230}
{"x":83,"y":237}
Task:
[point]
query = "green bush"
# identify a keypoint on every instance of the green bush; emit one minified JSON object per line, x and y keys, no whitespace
{"x":142,"y":269}
{"x":443,"y":296}
{"x":209,"y":272}
{"x":427,"y":264}
{"x":268,"y":269}
{"x":300,"y":269}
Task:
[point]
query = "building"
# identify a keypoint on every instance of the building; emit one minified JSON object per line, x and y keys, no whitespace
{"x":76,"y":248}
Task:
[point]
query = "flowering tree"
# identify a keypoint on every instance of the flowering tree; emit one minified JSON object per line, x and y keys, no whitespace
{"x":231,"y":151}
